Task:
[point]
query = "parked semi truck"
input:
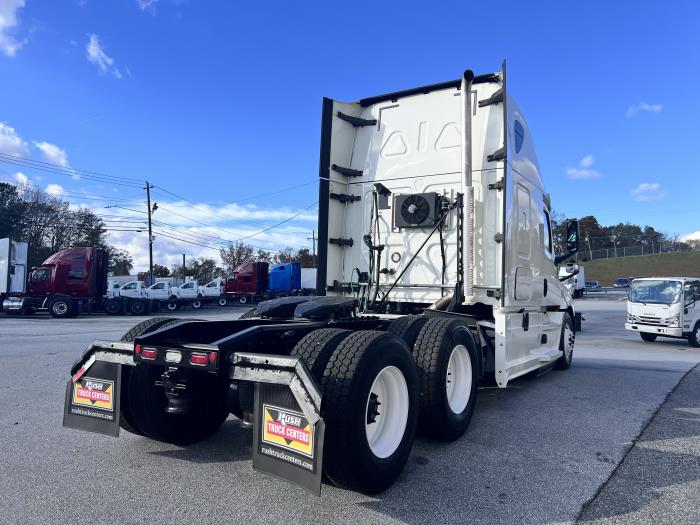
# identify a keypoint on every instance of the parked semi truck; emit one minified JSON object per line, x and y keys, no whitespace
{"x":666,"y":307}
{"x":252,"y":282}
{"x":71,"y":282}
{"x":436,"y":271}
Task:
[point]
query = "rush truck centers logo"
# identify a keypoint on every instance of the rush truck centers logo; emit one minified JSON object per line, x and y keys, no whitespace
{"x":94,"y":393}
{"x":287,"y":429}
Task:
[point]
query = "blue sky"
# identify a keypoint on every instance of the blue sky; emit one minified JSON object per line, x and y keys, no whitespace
{"x":220,"y":101}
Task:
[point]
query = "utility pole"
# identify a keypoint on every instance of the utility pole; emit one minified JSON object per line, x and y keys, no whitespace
{"x":184,"y":275}
{"x":150,"y":234}
{"x":313,"y":238}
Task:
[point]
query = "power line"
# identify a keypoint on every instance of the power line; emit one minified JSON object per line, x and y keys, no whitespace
{"x":218,"y":214}
{"x":69,"y":172}
{"x":71,"y":169}
{"x":279,"y":223}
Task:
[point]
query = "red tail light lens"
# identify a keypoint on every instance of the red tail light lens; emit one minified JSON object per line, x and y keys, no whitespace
{"x":212,"y":357}
{"x":199,"y":359}
{"x":137,"y":349}
{"x":149,"y":353}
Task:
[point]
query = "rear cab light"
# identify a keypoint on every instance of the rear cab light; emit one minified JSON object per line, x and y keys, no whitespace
{"x":198,"y":359}
{"x":149,"y":353}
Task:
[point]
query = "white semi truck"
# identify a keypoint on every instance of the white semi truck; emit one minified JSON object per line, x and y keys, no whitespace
{"x":666,"y":307}
{"x":436,"y":271}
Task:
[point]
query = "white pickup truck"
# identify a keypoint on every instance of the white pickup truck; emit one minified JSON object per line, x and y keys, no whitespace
{"x":214,"y":291}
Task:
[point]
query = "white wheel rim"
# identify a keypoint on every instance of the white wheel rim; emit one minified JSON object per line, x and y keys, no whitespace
{"x":196,"y":304}
{"x":60,"y":308}
{"x":458,"y":381}
{"x":222,"y":302}
{"x":243,"y":300}
{"x":172,"y":306}
{"x":569,"y":337}
{"x":386,"y":412}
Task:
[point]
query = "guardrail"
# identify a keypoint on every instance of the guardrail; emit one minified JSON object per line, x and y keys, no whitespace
{"x":605,"y":290}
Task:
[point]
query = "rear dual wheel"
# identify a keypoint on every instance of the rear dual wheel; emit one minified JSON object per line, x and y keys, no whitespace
{"x":448,"y":371}
{"x":143,"y":403}
{"x":369,"y":387}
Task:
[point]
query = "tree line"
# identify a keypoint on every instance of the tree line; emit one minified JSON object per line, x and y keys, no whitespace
{"x":594,"y":236}
{"x":48,"y":225}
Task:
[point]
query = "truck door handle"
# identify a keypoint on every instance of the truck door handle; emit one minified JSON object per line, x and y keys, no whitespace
{"x":526,"y":321}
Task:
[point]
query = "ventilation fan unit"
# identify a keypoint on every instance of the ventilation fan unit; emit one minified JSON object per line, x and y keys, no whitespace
{"x":419,"y":210}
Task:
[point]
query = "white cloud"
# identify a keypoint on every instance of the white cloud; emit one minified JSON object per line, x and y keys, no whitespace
{"x":8,"y":19}
{"x":695,"y":236}
{"x":229,"y":221}
{"x":52,"y":153}
{"x":587,"y":161}
{"x":583,"y":170}
{"x":54,"y":189}
{"x":11,"y":143}
{"x":97,"y":55}
{"x":643,"y":106}
{"x":648,"y":191}
{"x":22,"y":179}
{"x":147,"y":5}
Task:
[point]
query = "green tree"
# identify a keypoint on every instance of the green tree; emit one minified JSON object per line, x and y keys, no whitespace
{"x":160,"y":271}
{"x":234,"y":255}
{"x":119,"y":261}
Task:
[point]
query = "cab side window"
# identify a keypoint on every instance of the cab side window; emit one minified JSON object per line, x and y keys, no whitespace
{"x":692,"y":292}
{"x":547,"y":233}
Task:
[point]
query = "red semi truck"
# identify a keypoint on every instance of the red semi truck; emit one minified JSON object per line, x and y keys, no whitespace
{"x":71,"y":282}
{"x":248,"y":284}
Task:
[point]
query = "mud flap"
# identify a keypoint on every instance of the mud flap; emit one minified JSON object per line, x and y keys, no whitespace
{"x":92,"y":399}
{"x":285,"y":444}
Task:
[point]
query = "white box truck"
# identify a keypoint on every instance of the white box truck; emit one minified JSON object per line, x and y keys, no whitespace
{"x":574,"y":278}
{"x":666,"y":307}
{"x":436,"y":271}
{"x":13,"y":267}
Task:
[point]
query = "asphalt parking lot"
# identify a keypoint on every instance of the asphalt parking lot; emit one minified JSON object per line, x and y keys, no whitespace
{"x":615,"y":439}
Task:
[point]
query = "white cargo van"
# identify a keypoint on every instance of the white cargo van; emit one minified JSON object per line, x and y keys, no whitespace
{"x":665,"y":306}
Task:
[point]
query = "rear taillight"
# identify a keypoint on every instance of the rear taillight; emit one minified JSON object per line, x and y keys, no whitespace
{"x":199,"y":359}
{"x":137,"y":349}
{"x":212,"y":357}
{"x":149,"y":353}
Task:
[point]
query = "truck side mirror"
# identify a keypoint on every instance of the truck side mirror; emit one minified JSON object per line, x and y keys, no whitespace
{"x":572,"y":236}
{"x":571,"y":241}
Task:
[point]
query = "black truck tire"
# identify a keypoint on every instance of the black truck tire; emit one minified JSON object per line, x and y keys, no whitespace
{"x":694,"y":336}
{"x":243,"y":299}
{"x":566,"y":343}
{"x":196,"y":304}
{"x":371,"y":375}
{"x":138,"y":307}
{"x":647,"y":337}
{"x":250,"y":314}
{"x":126,"y":420}
{"x":113,"y":307}
{"x":63,"y":307}
{"x":223,"y":301}
{"x":316,"y":348}
{"x":448,"y":372}
{"x":407,"y":328}
{"x":173,"y":306}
